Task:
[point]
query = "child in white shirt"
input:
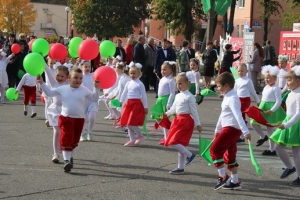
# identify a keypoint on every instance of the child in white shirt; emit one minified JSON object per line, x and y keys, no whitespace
{"x":229,"y":128}
{"x":3,"y":75}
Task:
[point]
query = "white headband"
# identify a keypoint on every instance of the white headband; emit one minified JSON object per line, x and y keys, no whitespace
{"x":272,"y":70}
{"x":296,"y":69}
{"x":118,"y":58}
{"x":137,"y":65}
{"x":119,"y":63}
{"x":283,"y":57}
{"x":171,"y":62}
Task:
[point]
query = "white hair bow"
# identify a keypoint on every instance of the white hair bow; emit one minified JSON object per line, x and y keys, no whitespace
{"x":296,"y":69}
{"x":119,"y":63}
{"x":272,"y":70}
{"x":283,"y":57}
{"x":171,"y":62}
{"x":118,"y":58}
{"x":137,"y":65}
{"x":3,"y":54}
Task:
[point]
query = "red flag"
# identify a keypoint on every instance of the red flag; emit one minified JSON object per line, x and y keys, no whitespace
{"x":164,"y":122}
{"x":256,"y":114}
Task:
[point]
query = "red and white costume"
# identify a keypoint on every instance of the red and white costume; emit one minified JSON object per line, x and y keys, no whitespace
{"x":28,"y":83}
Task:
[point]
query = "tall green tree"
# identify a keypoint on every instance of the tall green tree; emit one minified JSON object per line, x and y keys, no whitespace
{"x":108,"y":18}
{"x":290,"y":16}
{"x":180,"y":16}
{"x":271,"y":7}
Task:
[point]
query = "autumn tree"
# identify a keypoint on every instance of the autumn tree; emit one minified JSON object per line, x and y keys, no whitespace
{"x":17,"y":16}
{"x":180,"y":16}
{"x":108,"y":18}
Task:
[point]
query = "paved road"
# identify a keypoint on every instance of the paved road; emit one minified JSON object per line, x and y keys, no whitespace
{"x":104,"y":169}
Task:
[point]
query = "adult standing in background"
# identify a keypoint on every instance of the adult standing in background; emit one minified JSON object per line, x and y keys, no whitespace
{"x":129,"y":51}
{"x":209,"y":57}
{"x":12,"y":67}
{"x":228,"y":58}
{"x":269,"y":53}
{"x":139,"y":54}
{"x":171,"y":49}
{"x":255,"y":64}
{"x":120,"y":51}
{"x":2,"y":39}
{"x":22,"y":39}
{"x":150,"y":77}
{"x":184,"y":60}
{"x":191,"y":51}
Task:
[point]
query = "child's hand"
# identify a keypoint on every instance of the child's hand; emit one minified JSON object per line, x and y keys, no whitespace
{"x":257,"y":104}
{"x":248,"y":137}
{"x":199,"y":128}
{"x":221,"y":96}
{"x":216,"y":135}
{"x":40,"y":92}
{"x":96,"y":83}
{"x":39,"y":79}
{"x":146,"y":111}
{"x":281,"y":126}
{"x":13,"y":55}
{"x":113,"y":98}
{"x":16,"y":91}
{"x":269,"y":112}
{"x":106,"y":94}
{"x":197,"y":95}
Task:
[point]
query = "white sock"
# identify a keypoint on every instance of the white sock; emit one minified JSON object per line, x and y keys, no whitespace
{"x":25,"y":108}
{"x":181,"y":159}
{"x":234,"y":178}
{"x":270,"y":131}
{"x":296,"y":155}
{"x":284,"y":156}
{"x":222,"y":172}
{"x":2,"y":93}
{"x":131,"y":133}
{"x":56,"y":137}
{"x":91,"y":123}
{"x":258,"y":130}
{"x":67,"y":155}
{"x":183,"y":149}
{"x":32,"y":109}
{"x":165,"y":131}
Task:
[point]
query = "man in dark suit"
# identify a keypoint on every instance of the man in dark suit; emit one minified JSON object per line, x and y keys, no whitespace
{"x":171,"y":49}
{"x":120,"y":51}
{"x":163,"y":54}
{"x":191,"y":52}
{"x":139,"y":55}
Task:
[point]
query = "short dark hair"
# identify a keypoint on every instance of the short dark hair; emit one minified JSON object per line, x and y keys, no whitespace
{"x":12,"y":35}
{"x":268,"y":42}
{"x":75,"y":69}
{"x":225,"y":78}
{"x":209,"y":43}
{"x":228,"y":46}
{"x":185,"y":43}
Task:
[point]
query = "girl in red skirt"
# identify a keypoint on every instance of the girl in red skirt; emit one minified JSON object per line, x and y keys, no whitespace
{"x":182,"y":126}
{"x":28,"y":83}
{"x":135,"y":109}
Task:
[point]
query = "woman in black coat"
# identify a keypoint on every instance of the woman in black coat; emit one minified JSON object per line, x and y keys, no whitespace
{"x":209,"y":57}
{"x":228,"y":58}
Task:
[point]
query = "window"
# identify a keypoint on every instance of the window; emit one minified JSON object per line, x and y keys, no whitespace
{"x":242,"y":30}
{"x":237,"y":30}
{"x":241,"y":3}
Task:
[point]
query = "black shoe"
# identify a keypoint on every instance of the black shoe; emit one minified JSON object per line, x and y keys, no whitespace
{"x":261,"y":141}
{"x":68,"y":166}
{"x":156,"y":96}
{"x":269,"y":153}
{"x":177,"y":171}
{"x":221,"y":182}
{"x":232,"y":186}
{"x":287,"y":172}
{"x":33,"y":115}
{"x":241,"y":141}
{"x":25,"y":113}
{"x":213,"y":87}
{"x":296,"y":182}
{"x":71,"y":161}
{"x":190,"y":159}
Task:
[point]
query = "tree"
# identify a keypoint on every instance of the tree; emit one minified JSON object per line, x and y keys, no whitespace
{"x":291,"y":16}
{"x":180,"y":16}
{"x":271,"y":7}
{"x":107,"y":18}
{"x":10,"y":18}
{"x":56,"y":2}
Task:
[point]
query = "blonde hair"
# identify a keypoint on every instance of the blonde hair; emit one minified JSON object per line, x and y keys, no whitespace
{"x":243,"y":65}
{"x":62,"y":69}
{"x":183,"y":76}
{"x":171,"y":65}
{"x":292,"y":75}
{"x":137,"y":69}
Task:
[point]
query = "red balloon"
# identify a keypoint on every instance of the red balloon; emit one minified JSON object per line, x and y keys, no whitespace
{"x":106,"y":75}
{"x":88,"y":49}
{"x":49,"y":54}
{"x":30,"y":43}
{"x":15,"y":48}
{"x":43,"y":99}
{"x":58,"y":51}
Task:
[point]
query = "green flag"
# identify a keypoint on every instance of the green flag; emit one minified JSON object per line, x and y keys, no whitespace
{"x":156,"y":112}
{"x":145,"y":128}
{"x":253,"y":160}
{"x":115,"y":103}
{"x":207,"y":92}
{"x":221,"y":6}
{"x":204,"y":146}
{"x":206,"y":6}
{"x":234,"y":72}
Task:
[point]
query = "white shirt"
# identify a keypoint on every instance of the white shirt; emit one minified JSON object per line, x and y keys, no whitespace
{"x":194,"y":77}
{"x":281,"y":80}
{"x":231,"y":113}
{"x":167,"y":86}
{"x":184,"y":103}
{"x":3,"y":63}
{"x":49,"y":71}
{"x":73,"y":99}
{"x":123,"y":80}
{"x":109,"y":90}
{"x":87,"y":81}
{"x":272,"y":94}
{"x":244,"y":88}
{"x":293,"y":107}
{"x":27,"y":80}
{"x":135,"y":89}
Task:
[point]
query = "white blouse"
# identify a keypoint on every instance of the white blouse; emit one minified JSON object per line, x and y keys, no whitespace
{"x":27,"y":80}
{"x":281,"y":79}
{"x":123,"y":80}
{"x":244,"y":88}
{"x":272,"y":94}
{"x":167,"y":86}
{"x":135,"y":89}
{"x":293,"y":107}
{"x":194,"y":77}
{"x":231,"y":114}
{"x":88,"y":81}
{"x":3,"y":63}
{"x":184,"y":103}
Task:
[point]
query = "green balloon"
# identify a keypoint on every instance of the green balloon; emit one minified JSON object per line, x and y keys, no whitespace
{"x":74,"y":44}
{"x":34,"y":64}
{"x":10,"y":94}
{"x":115,"y":103}
{"x":21,"y":73}
{"x":72,"y":53}
{"x":41,"y":46}
{"x":107,"y":49}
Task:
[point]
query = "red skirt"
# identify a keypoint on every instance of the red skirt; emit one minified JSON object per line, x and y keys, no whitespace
{"x":181,"y":130}
{"x":245,"y":104}
{"x":133,"y":113}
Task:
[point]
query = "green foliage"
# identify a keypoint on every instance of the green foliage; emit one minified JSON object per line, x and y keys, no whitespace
{"x":291,"y":16}
{"x":272,"y":7}
{"x":108,"y":18}
{"x":180,"y":16}
{"x":57,"y":2}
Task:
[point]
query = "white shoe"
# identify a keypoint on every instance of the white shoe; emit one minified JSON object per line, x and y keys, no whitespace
{"x":55,"y":158}
{"x":89,"y":136}
{"x":107,"y":117}
{"x":83,"y":137}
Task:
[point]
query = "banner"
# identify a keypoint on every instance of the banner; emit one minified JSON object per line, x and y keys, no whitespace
{"x":237,"y":43}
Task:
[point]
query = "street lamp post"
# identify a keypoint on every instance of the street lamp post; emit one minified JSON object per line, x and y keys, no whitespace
{"x":67,"y":9}
{"x":21,"y":13}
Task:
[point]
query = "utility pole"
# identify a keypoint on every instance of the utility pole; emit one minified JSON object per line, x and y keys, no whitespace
{"x":210,"y":22}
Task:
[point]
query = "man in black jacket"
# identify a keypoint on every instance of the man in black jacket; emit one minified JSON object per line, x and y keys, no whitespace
{"x":139,"y":54}
{"x":120,"y":50}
